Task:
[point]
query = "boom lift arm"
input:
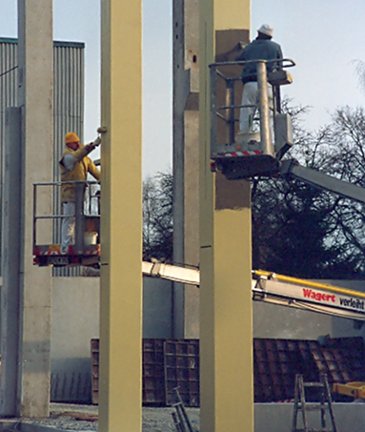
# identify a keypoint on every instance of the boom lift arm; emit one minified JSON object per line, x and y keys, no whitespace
{"x":186,"y":275}
{"x":308,"y":295}
{"x":279,"y":289}
{"x":291,"y":169}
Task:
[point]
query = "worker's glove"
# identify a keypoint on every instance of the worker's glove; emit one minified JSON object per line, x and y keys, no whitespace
{"x":96,"y":142}
{"x":91,"y":146}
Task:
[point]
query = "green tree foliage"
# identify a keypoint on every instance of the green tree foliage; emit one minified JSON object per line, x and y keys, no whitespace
{"x":157,"y":217}
{"x":307,"y":232}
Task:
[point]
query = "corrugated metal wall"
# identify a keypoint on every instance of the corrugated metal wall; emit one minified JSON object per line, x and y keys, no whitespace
{"x":8,"y":85}
{"x":68,"y":101}
{"x":68,"y":113}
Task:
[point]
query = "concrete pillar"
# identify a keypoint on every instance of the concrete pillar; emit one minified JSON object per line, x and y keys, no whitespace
{"x":10,"y":253}
{"x":120,"y":382}
{"x":186,"y":159}
{"x":226,"y":374}
{"x":35,"y":99}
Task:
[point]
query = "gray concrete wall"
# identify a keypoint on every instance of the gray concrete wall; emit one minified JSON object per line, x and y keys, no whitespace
{"x":157,"y":308}
{"x":277,"y":417}
{"x":75,"y":321}
{"x":271,"y":321}
{"x":342,"y":327}
{"x":75,"y":316}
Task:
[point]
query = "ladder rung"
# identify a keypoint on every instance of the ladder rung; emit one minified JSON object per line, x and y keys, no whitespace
{"x":311,"y":430}
{"x":324,"y":404}
{"x":312,"y":407}
{"x":313,"y":384}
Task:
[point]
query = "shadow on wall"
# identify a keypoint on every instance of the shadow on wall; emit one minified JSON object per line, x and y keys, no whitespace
{"x":71,"y":380}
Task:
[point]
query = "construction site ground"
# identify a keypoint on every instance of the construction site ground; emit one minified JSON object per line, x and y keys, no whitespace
{"x":71,"y":417}
{"x":273,"y":417}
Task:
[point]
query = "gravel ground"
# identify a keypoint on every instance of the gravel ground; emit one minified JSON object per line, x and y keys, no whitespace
{"x":84,"y":418}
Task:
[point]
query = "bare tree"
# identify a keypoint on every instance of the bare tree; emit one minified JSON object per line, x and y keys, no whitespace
{"x":157,"y":217}
{"x":360,"y":70}
{"x":297,"y":230}
{"x":307,"y":232}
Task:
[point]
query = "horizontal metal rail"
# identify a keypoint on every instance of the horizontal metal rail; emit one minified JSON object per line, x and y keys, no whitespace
{"x":227,"y":107}
{"x":288,"y":63}
{"x":60,"y":183}
{"x":61,"y":216}
{"x":87,"y":205}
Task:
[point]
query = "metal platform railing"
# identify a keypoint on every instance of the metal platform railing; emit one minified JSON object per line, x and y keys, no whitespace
{"x":47,"y":221}
{"x":225,"y":97}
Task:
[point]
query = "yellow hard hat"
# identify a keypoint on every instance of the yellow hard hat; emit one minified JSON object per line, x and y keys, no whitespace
{"x":71,"y":137}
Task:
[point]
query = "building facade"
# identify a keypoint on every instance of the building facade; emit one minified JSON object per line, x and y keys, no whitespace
{"x":68,"y":103}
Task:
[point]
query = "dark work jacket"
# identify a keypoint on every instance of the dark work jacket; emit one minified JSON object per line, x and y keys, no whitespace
{"x":259,"y":49}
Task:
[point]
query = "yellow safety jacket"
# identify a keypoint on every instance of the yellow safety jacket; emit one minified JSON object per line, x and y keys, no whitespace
{"x":83,"y":166}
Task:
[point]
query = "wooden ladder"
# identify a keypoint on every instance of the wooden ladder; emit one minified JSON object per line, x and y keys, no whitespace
{"x":303,"y":406}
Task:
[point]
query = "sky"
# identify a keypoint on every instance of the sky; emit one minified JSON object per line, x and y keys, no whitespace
{"x":324,"y":37}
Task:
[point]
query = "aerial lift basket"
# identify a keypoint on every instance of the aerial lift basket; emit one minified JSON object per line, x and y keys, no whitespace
{"x":85,"y":249}
{"x":256,"y":153}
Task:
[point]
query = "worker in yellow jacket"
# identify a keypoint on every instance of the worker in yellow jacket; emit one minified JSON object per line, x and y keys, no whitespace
{"x":75,"y":165}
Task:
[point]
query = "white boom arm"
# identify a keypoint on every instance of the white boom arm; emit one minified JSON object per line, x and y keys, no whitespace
{"x":171,"y":272}
{"x":279,"y":289}
{"x":304,"y":294}
{"x":292,"y":169}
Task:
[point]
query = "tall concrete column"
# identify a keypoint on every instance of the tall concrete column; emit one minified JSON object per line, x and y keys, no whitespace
{"x":225,"y":250}
{"x":10,"y":254}
{"x":35,"y":99}
{"x":186,"y":159}
{"x":120,"y":381}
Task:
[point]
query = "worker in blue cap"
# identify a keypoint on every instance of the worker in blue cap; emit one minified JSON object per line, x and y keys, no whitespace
{"x":261,"y":48}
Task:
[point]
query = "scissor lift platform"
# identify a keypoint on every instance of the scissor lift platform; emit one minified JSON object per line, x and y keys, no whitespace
{"x":45,"y":255}
{"x":85,"y":247}
{"x":238,"y":164}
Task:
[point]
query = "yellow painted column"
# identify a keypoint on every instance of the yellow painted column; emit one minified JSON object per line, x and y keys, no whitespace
{"x":225,"y":237}
{"x":120,"y":392}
